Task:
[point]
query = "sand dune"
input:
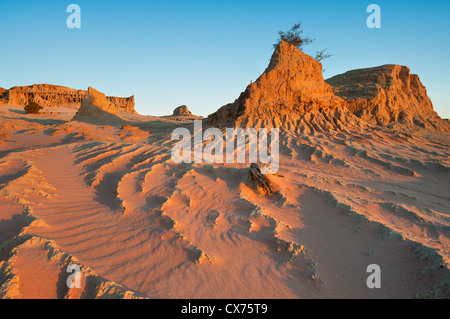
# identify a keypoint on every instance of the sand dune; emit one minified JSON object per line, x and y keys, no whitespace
{"x":110,"y":199}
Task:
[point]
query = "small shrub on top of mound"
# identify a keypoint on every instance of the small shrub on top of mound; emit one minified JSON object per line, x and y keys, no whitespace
{"x":32,"y":108}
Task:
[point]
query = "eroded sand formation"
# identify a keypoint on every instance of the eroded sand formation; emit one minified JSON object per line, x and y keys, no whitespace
{"x":109,"y":198}
{"x":182,"y":111}
{"x":57,"y":96}
{"x":388,"y":95}
{"x":291,"y":94}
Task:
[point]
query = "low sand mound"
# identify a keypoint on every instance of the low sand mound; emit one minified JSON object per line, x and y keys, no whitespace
{"x":388,"y":95}
{"x":97,"y":109}
{"x":182,"y":111}
{"x":290,"y":94}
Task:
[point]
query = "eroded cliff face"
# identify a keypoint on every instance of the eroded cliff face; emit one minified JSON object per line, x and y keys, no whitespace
{"x":290,"y":94}
{"x":387,"y":95}
{"x":3,"y":93}
{"x":125,"y":104}
{"x":57,"y":96}
{"x":45,"y":95}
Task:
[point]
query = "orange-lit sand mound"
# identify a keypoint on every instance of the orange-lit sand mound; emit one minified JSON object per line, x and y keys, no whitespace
{"x":97,"y":109}
{"x":291,"y":94}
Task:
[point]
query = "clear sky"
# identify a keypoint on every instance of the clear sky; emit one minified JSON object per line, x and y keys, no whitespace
{"x":204,"y":53}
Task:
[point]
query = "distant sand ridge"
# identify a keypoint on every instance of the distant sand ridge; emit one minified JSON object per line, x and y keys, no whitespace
{"x":181,"y":111}
{"x":56,"y":96}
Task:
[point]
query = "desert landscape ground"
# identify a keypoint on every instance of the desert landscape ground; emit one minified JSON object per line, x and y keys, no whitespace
{"x":364,"y":178}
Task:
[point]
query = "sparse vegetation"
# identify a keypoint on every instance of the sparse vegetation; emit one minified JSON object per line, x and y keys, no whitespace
{"x":321,"y":55}
{"x":32,"y":108}
{"x":295,"y":37}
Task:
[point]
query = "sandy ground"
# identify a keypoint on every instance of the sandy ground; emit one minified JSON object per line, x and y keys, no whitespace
{"x":111,"y":200}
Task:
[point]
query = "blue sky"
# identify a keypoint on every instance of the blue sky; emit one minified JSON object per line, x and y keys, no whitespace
{"x":204,"y":53}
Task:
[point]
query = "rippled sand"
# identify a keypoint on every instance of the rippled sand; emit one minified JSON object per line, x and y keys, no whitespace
{"x":110,"y":199}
